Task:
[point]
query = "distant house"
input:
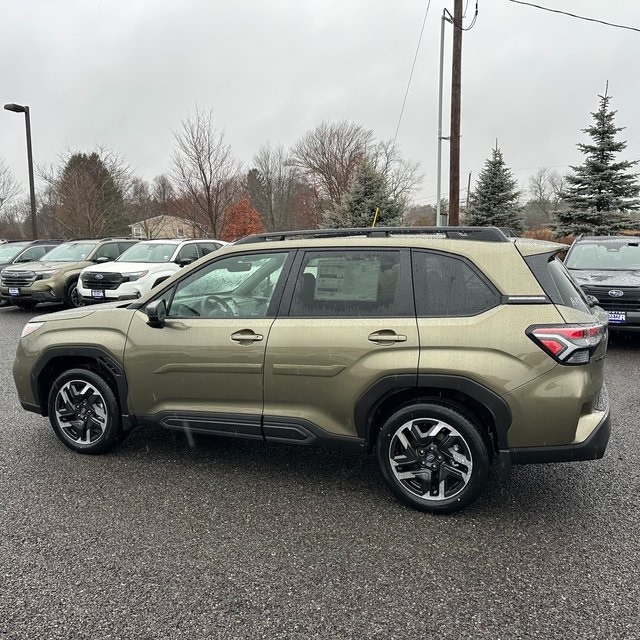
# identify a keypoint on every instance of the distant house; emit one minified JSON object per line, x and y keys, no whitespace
{"x":162,"y":227}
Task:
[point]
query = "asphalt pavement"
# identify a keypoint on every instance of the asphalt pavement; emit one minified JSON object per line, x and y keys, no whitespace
{"x":220,"y":538}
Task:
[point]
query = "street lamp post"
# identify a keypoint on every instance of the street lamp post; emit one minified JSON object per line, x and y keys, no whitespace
{"x":19,"y":108}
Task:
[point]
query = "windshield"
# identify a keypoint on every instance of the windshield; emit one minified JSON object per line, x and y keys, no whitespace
{"x":10,"y":251}
{"x":149,"y":252}
{"x":606,"y":255}
{"x":71,"y":252}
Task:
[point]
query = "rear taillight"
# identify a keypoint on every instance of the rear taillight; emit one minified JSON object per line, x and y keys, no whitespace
{"x":569,"y":343}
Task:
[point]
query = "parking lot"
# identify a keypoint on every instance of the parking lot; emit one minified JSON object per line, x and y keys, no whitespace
{"x":217,"y":538}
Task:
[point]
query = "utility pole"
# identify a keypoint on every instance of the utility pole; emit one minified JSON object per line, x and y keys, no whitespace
{"x":454,"y":138}
{"x":446,"y":17}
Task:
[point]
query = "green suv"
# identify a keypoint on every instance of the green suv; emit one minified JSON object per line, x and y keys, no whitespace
{"x":55,"y":278}
{"x":441,"y":349}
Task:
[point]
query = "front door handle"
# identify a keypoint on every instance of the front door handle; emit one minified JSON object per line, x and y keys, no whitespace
{"x":386,"y":336}
{"x":246,"y":336}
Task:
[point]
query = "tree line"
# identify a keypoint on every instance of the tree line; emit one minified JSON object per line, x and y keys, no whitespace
{"x":338,"y":174}
{"x":95,"y":194}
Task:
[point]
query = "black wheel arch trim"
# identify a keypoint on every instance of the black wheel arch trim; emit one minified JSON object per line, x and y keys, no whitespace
{"x":388,"y":386}
{"x":99,"y":355}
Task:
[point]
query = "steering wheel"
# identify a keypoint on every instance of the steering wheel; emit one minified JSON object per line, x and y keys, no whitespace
{"x":213,"y":303}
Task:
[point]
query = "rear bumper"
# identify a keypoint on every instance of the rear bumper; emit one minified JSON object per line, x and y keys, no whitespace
{"x":591,"y":448}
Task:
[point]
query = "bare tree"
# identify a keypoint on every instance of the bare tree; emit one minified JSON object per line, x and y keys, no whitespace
{"x":545,"y":194}
{"x":278,"y":181}
{"x":13,"y":217}
{"x":402,"y":175}
{"x":9,"y":189}
{"x":329,"y":157}
{"x":144,"y":210}
{"x":558,"y":184}
{"x":206,"y":174}
{"x":163,"y":193}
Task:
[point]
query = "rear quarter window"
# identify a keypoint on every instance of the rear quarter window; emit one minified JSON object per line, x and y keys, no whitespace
{"x":556,"y":282}
{"x":447,"y":285}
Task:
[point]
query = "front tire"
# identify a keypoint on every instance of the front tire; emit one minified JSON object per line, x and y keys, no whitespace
{"x":84,"y":412}
{"x":432,"y":457}
{"x":72,"y":297}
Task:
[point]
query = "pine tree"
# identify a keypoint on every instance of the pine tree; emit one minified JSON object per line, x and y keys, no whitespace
{"x":495,"y":199}
{"x":600,"y":192}
{"x":369,"y":191}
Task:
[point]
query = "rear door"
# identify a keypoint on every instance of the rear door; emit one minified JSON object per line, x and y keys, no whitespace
{"x":346,"y":321}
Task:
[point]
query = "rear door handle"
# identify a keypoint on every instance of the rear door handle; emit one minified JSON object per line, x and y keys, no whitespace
{"x":246,"y":336}
{"x":386,"y":336}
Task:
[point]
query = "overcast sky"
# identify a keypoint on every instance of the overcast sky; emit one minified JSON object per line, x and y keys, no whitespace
{"x":124,"y":73}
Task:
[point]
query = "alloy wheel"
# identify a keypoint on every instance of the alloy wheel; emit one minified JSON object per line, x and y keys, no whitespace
{"x":81,"y":412}
{"x":430,"y":459}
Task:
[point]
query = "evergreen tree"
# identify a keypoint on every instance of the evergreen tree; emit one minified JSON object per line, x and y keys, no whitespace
{"x":495,"y":199}
{"x":90,"y":198}
{"x":369,"y":191}
{"x":601,"y":193}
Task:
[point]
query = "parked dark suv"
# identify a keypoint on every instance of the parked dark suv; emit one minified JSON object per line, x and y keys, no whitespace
{"x":608,"y":268}
{"x":56,"y":278}
{"x":22,"y":251}
{"x":439,"y":349}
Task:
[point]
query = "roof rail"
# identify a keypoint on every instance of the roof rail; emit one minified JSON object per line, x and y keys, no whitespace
{"x":486,"y":234}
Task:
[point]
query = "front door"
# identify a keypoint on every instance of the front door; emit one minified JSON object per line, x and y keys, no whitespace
{"x":203,"y":370}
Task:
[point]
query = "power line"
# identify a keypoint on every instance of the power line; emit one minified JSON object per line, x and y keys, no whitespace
{"x":574,"y":15}
{"x":413,"y":66}
{"x":475,"y":17}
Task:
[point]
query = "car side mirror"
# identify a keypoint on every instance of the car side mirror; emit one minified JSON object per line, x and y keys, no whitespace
{"x":593,"y":301}
{"x":102,"y":259}
{"x":183,"y":262}
{"x":156,"y":312}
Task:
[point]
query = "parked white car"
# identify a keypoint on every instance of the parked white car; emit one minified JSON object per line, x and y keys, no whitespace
{"x":140,"y":268}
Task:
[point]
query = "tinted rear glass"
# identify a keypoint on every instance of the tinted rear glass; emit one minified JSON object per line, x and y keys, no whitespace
{"x":569,"y":292}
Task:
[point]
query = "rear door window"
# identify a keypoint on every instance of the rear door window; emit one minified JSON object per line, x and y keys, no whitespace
{"x":352,"y":284}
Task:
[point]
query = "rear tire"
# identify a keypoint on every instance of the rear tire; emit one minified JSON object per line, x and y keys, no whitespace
{"x":432,"y":457}
{"x":84,"y":412}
